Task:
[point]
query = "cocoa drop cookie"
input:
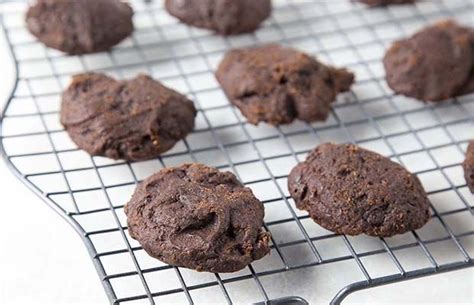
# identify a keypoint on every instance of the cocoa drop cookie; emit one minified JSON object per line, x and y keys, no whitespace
{"x":434,"y":64}
{"x":134,"y":120}
{"x":468,"y":166}
{"x":350,"y":190}
{"x":197,"y":217}
{"x":225,"y":17}
{"x":277,"y":84}
{"x":80,"y":26}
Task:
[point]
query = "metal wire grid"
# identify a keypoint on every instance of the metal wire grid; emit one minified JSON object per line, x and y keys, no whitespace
{"x":90,"y":191}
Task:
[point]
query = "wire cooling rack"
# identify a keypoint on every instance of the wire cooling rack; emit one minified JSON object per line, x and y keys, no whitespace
{"x":307,"y":261}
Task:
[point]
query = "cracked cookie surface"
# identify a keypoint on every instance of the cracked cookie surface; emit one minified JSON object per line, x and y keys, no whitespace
{"x":350,"y":190}
{"x":80,"y":26}
{"x":134,"y":120}
{"x":197,"y":217}
{"x":277,"y":85}
{"x":225,"y":17}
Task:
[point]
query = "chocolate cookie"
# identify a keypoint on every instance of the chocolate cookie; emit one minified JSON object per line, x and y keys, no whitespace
{"x":80,"y":26}
{"x":196,"y":217}
{"x":132,"y":120}
{"x":433,"y":64}
{"x":374,"y":3}
{"x":276,"y":84}
{"x":226,"y":17}
{"x":468,"y":86}
{"x":468,"y":166}
{"x":350,"y":190}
